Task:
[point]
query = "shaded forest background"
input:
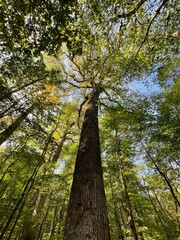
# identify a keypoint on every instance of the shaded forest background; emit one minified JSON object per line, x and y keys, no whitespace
{"x":53,"y":53}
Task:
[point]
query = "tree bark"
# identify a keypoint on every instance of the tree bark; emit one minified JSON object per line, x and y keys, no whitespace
{"x":87,"y":213}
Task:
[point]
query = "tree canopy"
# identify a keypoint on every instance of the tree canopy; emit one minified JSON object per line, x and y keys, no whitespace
{"x":61,"y":62}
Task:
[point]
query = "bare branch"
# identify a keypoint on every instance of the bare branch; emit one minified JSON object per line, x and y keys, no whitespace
{"x":124,"y":15}
{"x":146,"y":35}
{"x":70,"y":139}
{"x":149,"y":26}
{"x":74,"y":85}
{"x":86,"y":98}
{"x":79,"y":69}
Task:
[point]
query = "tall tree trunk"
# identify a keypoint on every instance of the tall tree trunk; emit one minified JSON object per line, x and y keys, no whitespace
{"x":87,"y":213}
{"x":9,"y":131}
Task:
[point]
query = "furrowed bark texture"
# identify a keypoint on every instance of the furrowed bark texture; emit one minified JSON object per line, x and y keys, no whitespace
{"x":87,"y":213}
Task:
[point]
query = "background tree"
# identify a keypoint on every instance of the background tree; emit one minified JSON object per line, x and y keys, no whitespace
{"x":122,"y":47}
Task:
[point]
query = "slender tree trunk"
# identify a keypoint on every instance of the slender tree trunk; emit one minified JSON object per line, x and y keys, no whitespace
{"x":28,"y":232}
{"x":87,"y":213}
{"x":7,"y":170}
{"x":40,"y":203}
{"x":140,"y":223}
{"x":40,"y":234}
{"x":166,"y":213}
{"x":19,"y":213}
{"x":42,"y":197}
{"x":165,"y":177}
{"x":54,"y":221}
{"x":8,"y":156}
{"x":59,"y":148}
{"x":9,"y":131}
{"x":121,"y":211}
{"x":12,"y":106}
{"x":158,"y":215}
{"x":4,"y":189}
{"x":7,"y":94}
{"x":117,"y":220}
{"x":28,"y":229}
{"x":60,"y":222}
{"x":20,"y":201}
{"x":128,"y":207}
